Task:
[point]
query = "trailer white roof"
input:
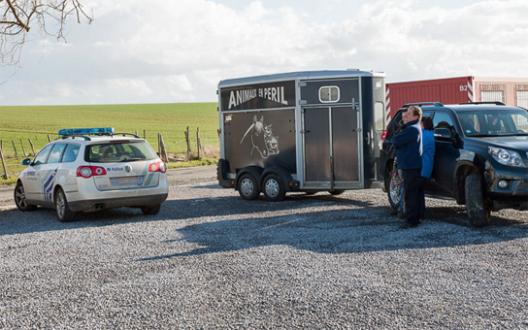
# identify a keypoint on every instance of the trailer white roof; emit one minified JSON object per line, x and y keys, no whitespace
{"x":302,"y":75}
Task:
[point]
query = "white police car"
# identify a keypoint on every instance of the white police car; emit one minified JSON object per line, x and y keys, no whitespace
{"x":90,"y":170}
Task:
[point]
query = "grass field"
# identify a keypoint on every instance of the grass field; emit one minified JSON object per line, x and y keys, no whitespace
{"x":18,"y":124}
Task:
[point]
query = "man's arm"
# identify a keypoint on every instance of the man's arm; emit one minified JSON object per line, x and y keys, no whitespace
{"x":409,"y":134}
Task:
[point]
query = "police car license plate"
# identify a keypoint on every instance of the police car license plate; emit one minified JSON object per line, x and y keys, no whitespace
{"x":127,"y":181}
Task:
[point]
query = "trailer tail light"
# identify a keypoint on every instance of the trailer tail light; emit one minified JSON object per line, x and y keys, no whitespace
{"x":90,"y":171}
{"x":384,"y":135}
{"x":157,"y":167}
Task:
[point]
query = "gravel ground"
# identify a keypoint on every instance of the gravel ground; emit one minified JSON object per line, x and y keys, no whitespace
{"x":210,"y":260}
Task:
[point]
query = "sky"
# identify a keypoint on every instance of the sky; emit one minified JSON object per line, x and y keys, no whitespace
{"x":167,"y":51}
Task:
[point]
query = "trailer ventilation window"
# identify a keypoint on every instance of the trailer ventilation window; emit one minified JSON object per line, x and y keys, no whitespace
{"x":329,"y":94}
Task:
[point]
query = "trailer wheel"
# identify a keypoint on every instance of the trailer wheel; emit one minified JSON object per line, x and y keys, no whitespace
{"x":336,"y":192}
{"x":273,"y":188}
{"x":248,"y":187}
{"x":477,"y":208}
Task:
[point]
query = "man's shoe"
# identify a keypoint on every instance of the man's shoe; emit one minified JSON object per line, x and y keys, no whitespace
{"x":409,"y":225}
{"x":401,"y":215}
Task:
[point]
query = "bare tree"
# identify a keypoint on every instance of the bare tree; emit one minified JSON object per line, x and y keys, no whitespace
{"x":18,"y":17}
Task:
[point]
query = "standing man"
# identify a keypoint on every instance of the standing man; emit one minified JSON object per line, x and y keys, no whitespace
{"x":408,"y":144}
{"x":428,"y":155}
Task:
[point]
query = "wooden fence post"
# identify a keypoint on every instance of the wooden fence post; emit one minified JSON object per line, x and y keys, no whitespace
{"x":188,"y":142}
{"x":164,"y":155}
{"x":22,"y":147}
{"x":14,"y":149}
{"x":144,"y":134}
{"x":198,"y":143}
{"x":32,"y":148}
{"x":49,"y":138}
{"x":4,"y":166}
{"x":159,"y":144}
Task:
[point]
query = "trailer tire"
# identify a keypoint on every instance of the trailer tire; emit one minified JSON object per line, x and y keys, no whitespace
{"x":336,"y":192}
{"x":478,"y":210}
{"x":247,"y":187}
{"x":274,"y":188}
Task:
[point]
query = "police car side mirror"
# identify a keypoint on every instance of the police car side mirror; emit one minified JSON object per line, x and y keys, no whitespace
{"x":26,"y":162}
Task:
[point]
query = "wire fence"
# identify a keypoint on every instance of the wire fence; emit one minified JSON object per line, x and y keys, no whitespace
{"x":20,"y":144}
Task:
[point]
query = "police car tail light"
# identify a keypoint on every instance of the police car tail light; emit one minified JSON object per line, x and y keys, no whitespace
{"x":89,"y":171}
{"x":157,"y":167}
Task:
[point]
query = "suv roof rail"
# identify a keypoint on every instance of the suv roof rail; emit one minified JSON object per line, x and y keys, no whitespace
{"x":489,"y":102}
{"x":421,"y":104}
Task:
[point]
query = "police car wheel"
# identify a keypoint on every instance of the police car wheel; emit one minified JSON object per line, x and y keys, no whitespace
{"x":64,"y":214}
{"x":273,"y":188}
{"x":151,"y":210}
{"x":248,"y":187}
{"x":20,"y":199}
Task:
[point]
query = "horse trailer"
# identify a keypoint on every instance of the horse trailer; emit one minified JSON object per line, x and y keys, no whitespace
{"x":304,"y":131}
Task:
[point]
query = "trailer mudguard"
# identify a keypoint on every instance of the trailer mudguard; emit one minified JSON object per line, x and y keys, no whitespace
{"x":222,"y":169}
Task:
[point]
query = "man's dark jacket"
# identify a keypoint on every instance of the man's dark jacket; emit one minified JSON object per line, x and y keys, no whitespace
{"x":408,"y":144}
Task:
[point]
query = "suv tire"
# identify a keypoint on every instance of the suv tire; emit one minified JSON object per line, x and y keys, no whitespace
{"x":394,"y":189}
{"x":477,"y":208}
{"x":247,"y":187}
{"x":64,"y":213}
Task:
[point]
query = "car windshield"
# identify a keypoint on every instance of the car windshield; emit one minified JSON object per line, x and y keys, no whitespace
{"x":119,"y":151}
{"x":482,"y":123}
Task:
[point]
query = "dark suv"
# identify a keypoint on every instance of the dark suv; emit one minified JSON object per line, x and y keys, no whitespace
{"x":481,"y":157}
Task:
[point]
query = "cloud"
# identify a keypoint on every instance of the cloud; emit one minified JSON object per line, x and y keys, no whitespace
{"x":173,"y":51}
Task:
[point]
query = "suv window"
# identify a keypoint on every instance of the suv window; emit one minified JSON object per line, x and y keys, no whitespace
{"x":56,"y":153}
{"x":443,"y":120}
{"x":70,"y":155}
{"x":494,"y":122}
{"x":42,"y":156}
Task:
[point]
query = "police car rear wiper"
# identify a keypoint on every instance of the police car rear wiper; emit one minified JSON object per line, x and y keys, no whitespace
{"x":131,"y":160}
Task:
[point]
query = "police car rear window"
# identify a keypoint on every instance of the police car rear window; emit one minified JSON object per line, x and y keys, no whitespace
{"x":116,"y":152}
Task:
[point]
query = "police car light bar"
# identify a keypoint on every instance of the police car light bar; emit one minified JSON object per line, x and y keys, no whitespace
{"x":86,"y":131}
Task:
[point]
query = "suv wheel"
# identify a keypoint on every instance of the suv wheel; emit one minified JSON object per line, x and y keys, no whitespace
{"x":394,"y":189}
{"x":20,"y":199}
{"x":64,"y":213}
{"x":248,"y":187}
{"x":477,"y":208}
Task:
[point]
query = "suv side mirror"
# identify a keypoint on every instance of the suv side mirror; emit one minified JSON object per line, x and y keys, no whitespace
{"x":26,"y":162}
{"x":443,"y":133}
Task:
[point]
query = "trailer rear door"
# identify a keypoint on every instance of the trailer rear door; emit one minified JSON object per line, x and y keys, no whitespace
{"x":332,"y":127}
